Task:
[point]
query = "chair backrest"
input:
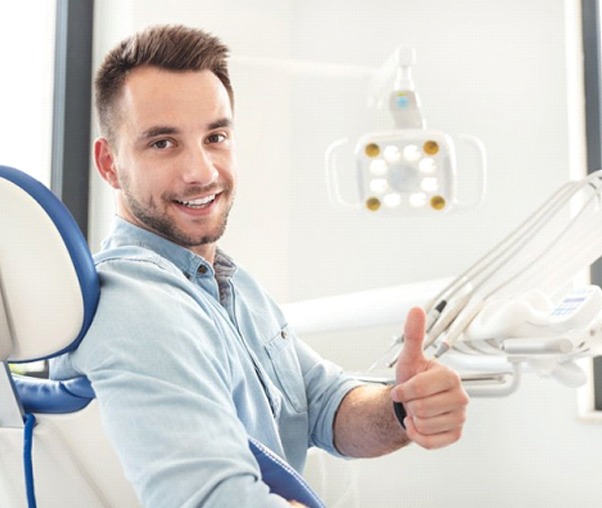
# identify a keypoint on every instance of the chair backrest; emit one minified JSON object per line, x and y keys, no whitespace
{"x":48,"y":295}
{"x":52,"y":444}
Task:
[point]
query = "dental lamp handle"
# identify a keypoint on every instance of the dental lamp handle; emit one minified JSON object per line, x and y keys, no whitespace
{"x":481,"y":171}
{"x":332,"y":182}
{"x":406,"y":110}
{"x":404,"y":102}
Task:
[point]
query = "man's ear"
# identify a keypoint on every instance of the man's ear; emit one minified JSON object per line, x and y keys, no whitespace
{"x":105,"y":162}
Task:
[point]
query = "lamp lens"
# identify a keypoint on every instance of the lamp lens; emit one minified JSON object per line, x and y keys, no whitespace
{"x":392,"y":154}
{"x":411,"y":153}
{"x":427,"y":166}
{"x":378,"y":167}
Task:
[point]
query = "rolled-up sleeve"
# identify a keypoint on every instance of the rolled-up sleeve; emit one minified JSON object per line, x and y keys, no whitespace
{"x":326,"y":387}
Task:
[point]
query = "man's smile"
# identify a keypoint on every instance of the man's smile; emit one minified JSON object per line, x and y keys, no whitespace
{"x":199,"y":202}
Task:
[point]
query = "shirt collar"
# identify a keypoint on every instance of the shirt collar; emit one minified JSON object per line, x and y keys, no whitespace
{"x":125,"y":233}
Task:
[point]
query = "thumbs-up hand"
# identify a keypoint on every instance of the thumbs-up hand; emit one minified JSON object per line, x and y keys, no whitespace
{"x":431,"y":393}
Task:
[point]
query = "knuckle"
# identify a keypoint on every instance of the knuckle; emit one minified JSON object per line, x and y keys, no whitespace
{"x":456,"y":435}
{"x":455,"y":378}
{"x":431,"y":444}
{"x":399,"y":393}
{"x":420,"y":390}
{"x":459,"y":419}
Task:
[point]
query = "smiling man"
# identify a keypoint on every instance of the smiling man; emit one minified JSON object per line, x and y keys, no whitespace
{"x":187,"y":354}
{"x":173,"y":156}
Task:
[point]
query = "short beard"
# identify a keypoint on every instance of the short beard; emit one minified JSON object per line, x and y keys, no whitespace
{"x":152,"y":219}
{"x":161,"y":225}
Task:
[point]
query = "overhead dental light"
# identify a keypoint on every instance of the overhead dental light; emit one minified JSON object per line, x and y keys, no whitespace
{"x":410,"y":170}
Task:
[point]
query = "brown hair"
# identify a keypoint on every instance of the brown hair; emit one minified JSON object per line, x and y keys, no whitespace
{"x":170,"y":47}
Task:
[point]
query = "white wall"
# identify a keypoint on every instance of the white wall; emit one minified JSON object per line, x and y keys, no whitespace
{"x":507,"y":72}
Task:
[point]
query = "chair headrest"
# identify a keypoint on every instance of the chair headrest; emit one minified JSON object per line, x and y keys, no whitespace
{"x":48,"y":282}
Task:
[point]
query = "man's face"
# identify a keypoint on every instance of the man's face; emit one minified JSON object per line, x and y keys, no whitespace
{"x":172,"y":158}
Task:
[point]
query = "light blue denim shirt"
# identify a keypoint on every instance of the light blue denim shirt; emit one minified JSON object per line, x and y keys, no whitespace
{"x":186,"y":360}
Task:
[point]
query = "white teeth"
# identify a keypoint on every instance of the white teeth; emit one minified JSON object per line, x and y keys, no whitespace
{"x":198,"y":202}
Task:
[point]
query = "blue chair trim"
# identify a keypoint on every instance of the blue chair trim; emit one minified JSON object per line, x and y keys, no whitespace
{"x":30,"y":421}
{"x":53,"y":397}
{"x":282,"y":478}
{"x":74,"y":241}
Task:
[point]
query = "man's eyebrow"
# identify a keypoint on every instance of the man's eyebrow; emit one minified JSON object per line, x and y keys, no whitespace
{"x":221,"y":123}
{"x":159,"y":130}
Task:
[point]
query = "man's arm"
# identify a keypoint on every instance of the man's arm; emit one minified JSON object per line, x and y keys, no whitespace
{"x":431,"y":393}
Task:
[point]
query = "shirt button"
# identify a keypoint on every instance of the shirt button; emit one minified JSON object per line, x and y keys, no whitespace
{"x":203,"y":269}
{"x":283,"y":334}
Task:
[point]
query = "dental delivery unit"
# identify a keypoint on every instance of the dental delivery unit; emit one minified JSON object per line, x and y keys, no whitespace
{"x":517,"y":303}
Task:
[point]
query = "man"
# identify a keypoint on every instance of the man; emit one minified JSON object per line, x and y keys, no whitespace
{"x":187,"y":354}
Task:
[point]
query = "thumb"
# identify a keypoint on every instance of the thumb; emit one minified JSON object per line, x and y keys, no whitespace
{"x":411,"y":360}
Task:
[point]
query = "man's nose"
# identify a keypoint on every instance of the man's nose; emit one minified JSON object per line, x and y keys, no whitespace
{"x":200,"y":168}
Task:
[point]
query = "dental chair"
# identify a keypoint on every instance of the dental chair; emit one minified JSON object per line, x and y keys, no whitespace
{"x":53,"y":450}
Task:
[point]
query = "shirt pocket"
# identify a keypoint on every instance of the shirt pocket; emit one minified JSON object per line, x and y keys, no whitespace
{"x":282,"y":353}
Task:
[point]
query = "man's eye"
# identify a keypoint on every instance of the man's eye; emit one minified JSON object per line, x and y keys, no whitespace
{"x":162,"y":144}
{"x":216,"y":138}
